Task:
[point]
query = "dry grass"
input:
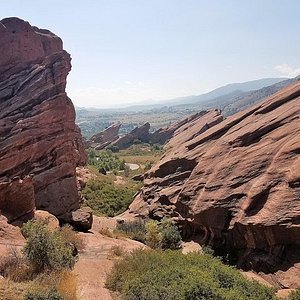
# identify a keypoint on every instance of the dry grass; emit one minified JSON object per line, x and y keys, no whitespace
{"x":72,"y":237}
{"x":64,"y":282}
{"x":139,"y":159}
{"x":14,"y":267}
{"x":10,"y":290}
{"x":67,"y":285}
{"x":118,"y":251}
{"x":106,"y":232}
{"x":18,"y":278}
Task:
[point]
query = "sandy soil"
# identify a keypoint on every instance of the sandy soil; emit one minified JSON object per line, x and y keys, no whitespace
{"x":96,"y":260}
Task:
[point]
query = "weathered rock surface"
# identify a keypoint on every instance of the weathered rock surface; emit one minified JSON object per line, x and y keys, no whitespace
{"x":43,"y":216}
{"x":40,"y":145}
{"x":83,"y":175}
{"x":138,"y":133}
{"x":237,"y":184}
{"x":81,"y":219}
{"x":102,"y":139}
{"x":96,"y":259}
{"x":162,"y":135}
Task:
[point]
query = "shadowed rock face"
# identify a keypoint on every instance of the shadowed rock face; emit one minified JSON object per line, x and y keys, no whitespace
{"x":40,"y":145}
{"x":237,"y":184}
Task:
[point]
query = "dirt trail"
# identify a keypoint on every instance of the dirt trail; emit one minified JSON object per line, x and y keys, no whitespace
{"x":95,"y":260}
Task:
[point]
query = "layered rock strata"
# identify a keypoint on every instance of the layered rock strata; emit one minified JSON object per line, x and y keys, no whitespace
{"x":104,"y":138}
{"x":236,"y":185}
{"x":40,"y":145}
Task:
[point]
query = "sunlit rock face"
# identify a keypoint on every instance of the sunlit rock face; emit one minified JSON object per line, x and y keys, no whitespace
{"x":40,"y":145}
{"x":236,"y":185}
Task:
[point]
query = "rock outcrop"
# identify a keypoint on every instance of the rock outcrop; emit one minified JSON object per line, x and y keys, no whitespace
{"x":236,"y":185}
{"x":138,"y":133}
{"x":102,"y":139}
{"x":110,"y":135}
{"x":40,"y":145}
{"x":162,"y":135}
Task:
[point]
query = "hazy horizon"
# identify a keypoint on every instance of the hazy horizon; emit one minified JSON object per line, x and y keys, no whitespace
{"x":126,"y":52}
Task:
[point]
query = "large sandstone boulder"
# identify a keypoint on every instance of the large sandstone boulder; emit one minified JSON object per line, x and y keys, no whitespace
{"x":11,"y":237}
{"x":40,"y":145}
{"x":236,"y":185}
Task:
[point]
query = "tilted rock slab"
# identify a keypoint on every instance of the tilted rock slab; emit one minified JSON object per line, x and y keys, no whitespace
{"x":102,"y":139}
{"x":236,"y":186}
{"x":40,"y":145}
{"x":139,"y":133}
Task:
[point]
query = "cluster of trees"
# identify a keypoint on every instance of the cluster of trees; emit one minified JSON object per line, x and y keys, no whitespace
{"x":105,"y":160}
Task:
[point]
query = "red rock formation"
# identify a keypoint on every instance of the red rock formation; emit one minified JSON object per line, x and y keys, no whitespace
{"x":40,"y":145}
{"x":237,"y":184}
{"x":162,"y":135}
{"x":138,"y":133}
{"x":102,"y":139}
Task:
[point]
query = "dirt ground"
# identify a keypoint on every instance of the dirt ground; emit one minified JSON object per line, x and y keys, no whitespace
{"x":96,"y":260}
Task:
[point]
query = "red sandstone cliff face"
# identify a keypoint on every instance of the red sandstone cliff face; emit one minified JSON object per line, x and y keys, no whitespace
{"x":40,"y":145}
{"x":237,"y":184}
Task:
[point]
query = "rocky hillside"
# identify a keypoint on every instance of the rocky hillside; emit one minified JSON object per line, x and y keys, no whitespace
{"x":40,"y":145}
{"x":110,"y":135}
{"x":236,"y":186}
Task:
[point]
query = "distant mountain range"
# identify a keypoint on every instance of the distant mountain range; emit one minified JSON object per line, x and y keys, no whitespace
{"x":236,"y":97}
{"x":229,"y":99}
{"x":220,"y":96}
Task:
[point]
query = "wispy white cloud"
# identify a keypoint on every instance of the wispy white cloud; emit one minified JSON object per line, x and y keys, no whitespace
{"x":287,"y":71}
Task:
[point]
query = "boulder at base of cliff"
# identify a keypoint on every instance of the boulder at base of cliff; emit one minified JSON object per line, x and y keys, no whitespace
{"x":81,"y":219}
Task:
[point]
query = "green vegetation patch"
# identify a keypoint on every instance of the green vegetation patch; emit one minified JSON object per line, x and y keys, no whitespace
{"x":170,"y":275}
{"x":295,"y":295}
{"x":45,"y":249}
{"x":107,"y":198}
{"x":105,"y":159}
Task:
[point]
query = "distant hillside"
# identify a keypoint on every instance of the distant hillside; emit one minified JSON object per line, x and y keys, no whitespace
{"x":230,"y":99}
{"x":232,"y":88}
{"x":237,"y":100}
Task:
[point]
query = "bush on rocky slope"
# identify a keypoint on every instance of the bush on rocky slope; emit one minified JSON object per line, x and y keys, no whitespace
{"x":45,"y":249}
{"x":294,"y":295}
{"x":170,"y":275}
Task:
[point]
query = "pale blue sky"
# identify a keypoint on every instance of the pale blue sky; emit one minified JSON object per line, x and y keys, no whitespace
{"x":133,"y":50}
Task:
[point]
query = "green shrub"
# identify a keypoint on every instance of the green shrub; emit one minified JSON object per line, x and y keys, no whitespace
{"x":156,"y":235}
{"x":295,"y":295}
{"x":104,"y":159}
{"x":170,"y":235}
{"x":170,"y":275}
{"x":113,"y":148}
{"x":153,"y":235}
{"x":148,"y":165}
{"x":106,"y":198}
{"x":51,"y":294}
{"x":136,"y":229}
{"x":46,"y":249}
